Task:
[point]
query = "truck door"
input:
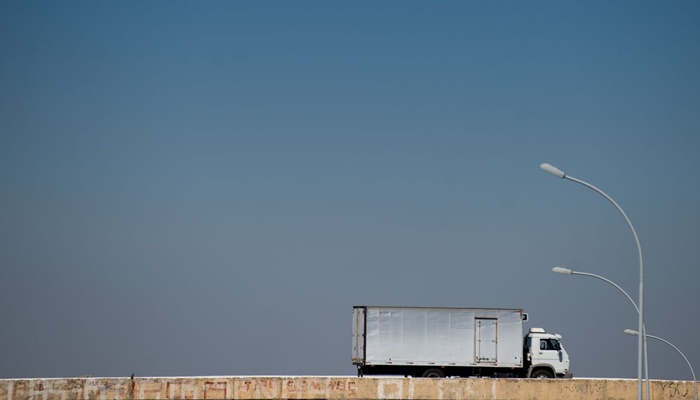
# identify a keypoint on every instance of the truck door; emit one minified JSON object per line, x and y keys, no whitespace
{"x":550,"y":352}
{"x":486,"y":333}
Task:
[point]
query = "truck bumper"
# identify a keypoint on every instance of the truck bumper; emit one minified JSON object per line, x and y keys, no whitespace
{"x":567,"y":375}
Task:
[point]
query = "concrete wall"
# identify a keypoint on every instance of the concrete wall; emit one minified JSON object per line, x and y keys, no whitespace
{"x":334,"y":388}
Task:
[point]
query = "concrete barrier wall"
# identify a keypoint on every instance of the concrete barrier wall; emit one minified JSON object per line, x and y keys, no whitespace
{"x":335,"y":388}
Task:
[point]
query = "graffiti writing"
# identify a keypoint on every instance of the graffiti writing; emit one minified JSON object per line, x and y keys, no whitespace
{"x":674,"y":389}
{"x":585,"y":387}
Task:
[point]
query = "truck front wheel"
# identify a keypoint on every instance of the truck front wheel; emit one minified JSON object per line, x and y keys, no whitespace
{"x":542,"y":374}
{"x":433,"y":373}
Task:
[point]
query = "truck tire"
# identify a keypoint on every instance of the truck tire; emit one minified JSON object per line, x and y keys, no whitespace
{"x":433,"y":373}
{"x":542,"y":374}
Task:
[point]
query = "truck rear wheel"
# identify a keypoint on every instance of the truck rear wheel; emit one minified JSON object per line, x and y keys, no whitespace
{"x":433,"y":373}
{"x":542,"y":374}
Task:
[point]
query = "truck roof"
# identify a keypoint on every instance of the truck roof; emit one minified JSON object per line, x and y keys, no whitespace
{"x":443,"y":308}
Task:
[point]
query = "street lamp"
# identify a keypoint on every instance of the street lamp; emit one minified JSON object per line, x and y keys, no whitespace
{"x":567,"y":271}
{"x":695,"y":381}
{"x":560,"y":174}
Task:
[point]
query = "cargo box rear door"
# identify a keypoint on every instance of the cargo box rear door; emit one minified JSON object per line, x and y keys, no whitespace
{"x":358,"y":335}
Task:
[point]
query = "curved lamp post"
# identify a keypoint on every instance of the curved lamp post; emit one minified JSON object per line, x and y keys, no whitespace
{"x":695,"y":381}
{"x":567,"y":271}
{"x":560,"y":174}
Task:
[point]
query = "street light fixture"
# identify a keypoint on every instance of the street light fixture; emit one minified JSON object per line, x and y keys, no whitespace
{"x":560,"y":174}
{"x":695,"y":381}
{"x":567,"y":271}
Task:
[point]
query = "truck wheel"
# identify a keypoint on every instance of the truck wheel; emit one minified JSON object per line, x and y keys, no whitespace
{"x":542,"y":374}
{"x":433,"y":373}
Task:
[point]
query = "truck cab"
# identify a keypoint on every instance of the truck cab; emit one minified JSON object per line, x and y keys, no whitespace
{"x":545,"y":356}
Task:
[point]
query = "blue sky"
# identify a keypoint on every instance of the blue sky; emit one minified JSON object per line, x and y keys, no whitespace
{"x":208,"y":188}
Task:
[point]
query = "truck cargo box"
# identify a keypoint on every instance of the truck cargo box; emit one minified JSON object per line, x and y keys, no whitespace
{"x":432,"y":336}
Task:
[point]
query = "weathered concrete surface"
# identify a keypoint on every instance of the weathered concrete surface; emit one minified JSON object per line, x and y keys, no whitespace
{"x":222,"y":387}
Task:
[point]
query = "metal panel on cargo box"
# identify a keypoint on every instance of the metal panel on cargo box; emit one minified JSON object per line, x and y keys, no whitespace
{"x":441,"y":336}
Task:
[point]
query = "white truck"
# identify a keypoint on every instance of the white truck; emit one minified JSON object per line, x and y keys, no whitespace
{"x":438,"y":342}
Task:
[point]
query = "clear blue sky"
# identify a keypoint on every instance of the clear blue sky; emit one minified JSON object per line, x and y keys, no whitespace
{"x":207,"y":188}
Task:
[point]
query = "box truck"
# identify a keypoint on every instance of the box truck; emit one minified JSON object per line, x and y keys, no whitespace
{"x":438,"y":342}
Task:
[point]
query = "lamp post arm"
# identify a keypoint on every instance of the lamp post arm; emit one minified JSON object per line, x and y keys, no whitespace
{"x":644,"y":329}
{"x":602,"y":278}
{"x":695,"y":381}
{"x":610,"y":199}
